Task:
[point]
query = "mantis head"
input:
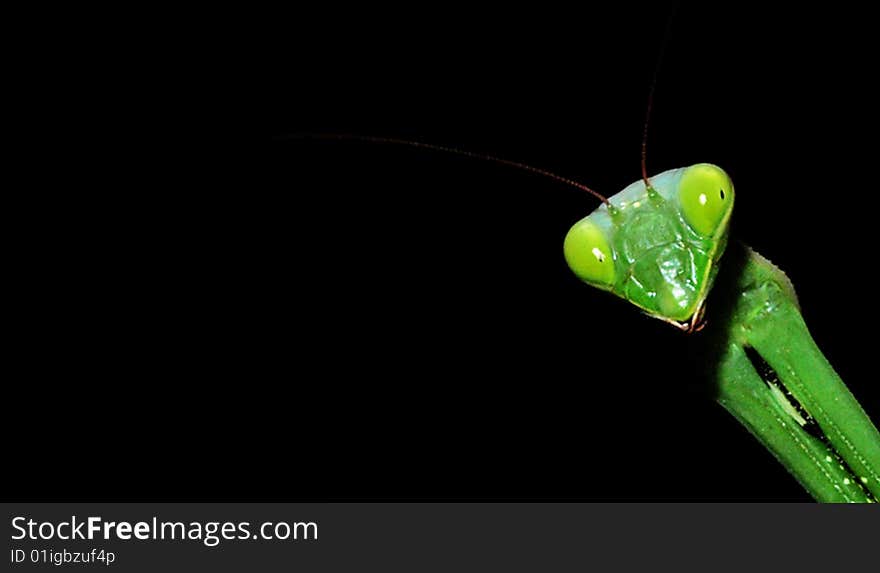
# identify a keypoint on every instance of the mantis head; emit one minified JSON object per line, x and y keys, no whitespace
{"x":658,"y":245}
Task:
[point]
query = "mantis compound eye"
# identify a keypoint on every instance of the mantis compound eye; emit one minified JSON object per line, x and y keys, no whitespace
{"x":588,"y":254}
{"x":706,"y":196}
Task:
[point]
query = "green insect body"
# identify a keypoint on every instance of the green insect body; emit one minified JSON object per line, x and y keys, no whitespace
{"x":839,"y":460}
{"x":657,"y":246}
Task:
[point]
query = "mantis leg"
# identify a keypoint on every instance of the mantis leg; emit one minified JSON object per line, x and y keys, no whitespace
{"x":803,"y":413}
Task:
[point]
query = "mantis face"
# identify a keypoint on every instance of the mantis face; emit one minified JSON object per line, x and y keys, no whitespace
{"x":658,"y":247}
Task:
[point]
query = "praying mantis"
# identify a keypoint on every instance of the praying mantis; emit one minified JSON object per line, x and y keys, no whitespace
{"x":740,"y":267}
{"x":659,"y":244}
{"x":656,"y":243}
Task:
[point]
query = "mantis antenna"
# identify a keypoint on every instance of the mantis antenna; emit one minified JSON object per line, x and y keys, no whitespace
{"x":453,"y":150}
{"x":665,"y":41}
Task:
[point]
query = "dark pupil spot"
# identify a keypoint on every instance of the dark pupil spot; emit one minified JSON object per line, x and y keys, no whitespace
{"x":722,"y":193}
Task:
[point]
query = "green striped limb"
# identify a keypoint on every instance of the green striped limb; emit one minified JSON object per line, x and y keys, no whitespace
{"x":774,"y":379}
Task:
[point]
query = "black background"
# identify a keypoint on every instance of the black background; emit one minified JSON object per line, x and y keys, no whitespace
{"x":236,"y":316}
